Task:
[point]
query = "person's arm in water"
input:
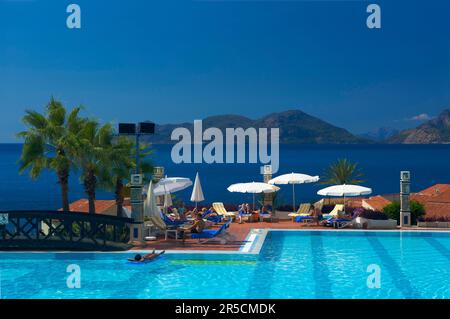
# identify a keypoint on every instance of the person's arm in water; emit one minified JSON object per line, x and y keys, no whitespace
{"x":153,"y":255}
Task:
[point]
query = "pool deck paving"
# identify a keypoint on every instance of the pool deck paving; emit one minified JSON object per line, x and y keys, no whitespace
{"x":238,"y":231}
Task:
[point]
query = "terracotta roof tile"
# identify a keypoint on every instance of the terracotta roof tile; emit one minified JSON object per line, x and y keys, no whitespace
{"x":436,"y":200}
{"x":82,"y":205}
{"x":377,"y":202}
{"x":435,"y":190}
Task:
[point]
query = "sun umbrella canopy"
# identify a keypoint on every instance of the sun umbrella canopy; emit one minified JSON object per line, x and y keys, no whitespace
{"x":294,"y":178}
{"x":345,"y":190}
{"x":171,"y":185}
{"x":197,"y":193}
{"x":253,"y":188}
{"x":151,"y":210}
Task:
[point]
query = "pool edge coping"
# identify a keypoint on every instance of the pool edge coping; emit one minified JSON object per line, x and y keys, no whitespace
{"x":255,"y":245}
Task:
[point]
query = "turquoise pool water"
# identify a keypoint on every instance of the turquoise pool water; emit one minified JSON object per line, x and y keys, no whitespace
{"x":291,"y":264}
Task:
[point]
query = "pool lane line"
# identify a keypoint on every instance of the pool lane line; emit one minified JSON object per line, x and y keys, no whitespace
{"x":399,"y":278}
{"x":264,"y":272}
{"x":444,"y":251}
{"x":321,"y":272}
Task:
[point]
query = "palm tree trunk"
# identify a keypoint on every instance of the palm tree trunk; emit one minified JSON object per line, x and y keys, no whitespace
{"x":119,"y":197}
{"x":90,"y":182}
{"x":63,"y":180}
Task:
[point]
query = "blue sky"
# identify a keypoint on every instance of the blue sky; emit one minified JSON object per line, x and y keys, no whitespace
{"x":172,"y":61}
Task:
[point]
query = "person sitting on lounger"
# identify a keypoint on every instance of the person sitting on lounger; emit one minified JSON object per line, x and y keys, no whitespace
{"x":211,"y":214}
{"x":264,"y":210}
{"x":191,"y":213}
{"x":147,"y":257}
{"x":199,"y":224}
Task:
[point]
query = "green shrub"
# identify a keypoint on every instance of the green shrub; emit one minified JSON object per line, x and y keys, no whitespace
{"x":393,"y":211}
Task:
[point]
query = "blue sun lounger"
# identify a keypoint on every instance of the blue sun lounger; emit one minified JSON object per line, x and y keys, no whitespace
{"x":211,"y":233}
{"x":300,"y":219}
{"x":213,"y":218}
{"x":338,"y":222}
{"x":172,"y":223}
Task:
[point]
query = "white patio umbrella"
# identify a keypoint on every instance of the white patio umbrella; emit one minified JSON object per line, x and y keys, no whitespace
{"x":197,"y":193}
{"x":171,"y":185}
{"x":151,"y":210}
{"x":293,"y":178}
{"x":253,"y":188}
{"x":345,"y":191}
{"x":167,"y":200}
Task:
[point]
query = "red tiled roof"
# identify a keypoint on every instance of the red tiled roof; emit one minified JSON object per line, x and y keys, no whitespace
{"x":82,"y":205}
{"x":435,"y":190}
{"x":377,"y":202}
{"x":437,"y":209}
{"x":436,"y":200}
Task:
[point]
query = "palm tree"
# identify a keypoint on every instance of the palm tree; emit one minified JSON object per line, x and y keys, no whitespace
{"x":343,"y":172}
{"x":122,"y":164}
{"x":93,"y":156}
{"x":49,"y":140}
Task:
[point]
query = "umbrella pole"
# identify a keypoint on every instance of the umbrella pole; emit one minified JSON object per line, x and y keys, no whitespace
{"x":253,"y":201}
{"x":293,"y":197}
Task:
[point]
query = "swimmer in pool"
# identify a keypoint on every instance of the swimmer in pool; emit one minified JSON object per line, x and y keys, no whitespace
{"x":148,"y":257}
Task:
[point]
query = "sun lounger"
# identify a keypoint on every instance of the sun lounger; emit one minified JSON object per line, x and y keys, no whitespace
{"x":303,"y":210}
{"x":268,"y":216}
{"x":213,"y":218}
{"x":337,"y":208}
{"x":303,"y":219}
{"x":341,"y":222}
{"x":172,"y":223}
{"x":209,"y":234}
{"x":338,"y":222}
{"x":220,"y":209}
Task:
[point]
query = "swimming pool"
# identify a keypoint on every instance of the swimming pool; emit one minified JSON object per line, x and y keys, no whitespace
{"x":291,"y":264}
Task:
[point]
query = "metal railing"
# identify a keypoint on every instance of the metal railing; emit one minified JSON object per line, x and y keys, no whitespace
{"x":58,"y":230}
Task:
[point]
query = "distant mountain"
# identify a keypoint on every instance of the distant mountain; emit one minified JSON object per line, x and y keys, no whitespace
{"x":380,"y":134}
{"x":296,"y":127}
{"x":435,"y":131}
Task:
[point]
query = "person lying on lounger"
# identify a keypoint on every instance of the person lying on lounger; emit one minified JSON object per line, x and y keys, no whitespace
{"x":210,"y":214}
{"x":191,"y":213}
{"x":147,"y":257}
{"x":197,"y":226}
